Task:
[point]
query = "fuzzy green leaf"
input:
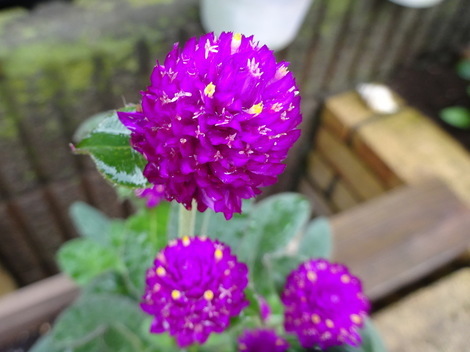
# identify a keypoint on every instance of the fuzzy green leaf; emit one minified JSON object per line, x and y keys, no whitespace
{"x":90,"y":222}
{"x":82,"y":259}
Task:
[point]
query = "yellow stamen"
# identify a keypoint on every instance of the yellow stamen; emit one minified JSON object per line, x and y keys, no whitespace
{"x":186,"y":241}
{"x":356,"y":319}
{"x":316,"y":318}
{"x":329,"y":323}
{"x":311,"y":276}
{"x":218,"y":254}
{"x":175,"y":294}
{"x":209,"y":90}
{"x":208,"y":295}
{"x":161,"y":271}
{"x":256,"y":109}
{"x":345,"y":279}
{"x":236,"y":36}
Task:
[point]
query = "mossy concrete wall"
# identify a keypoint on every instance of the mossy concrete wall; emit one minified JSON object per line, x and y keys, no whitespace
{"x":60,"y":64}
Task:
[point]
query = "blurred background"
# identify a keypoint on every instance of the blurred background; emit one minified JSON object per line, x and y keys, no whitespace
{"x":64,"y":61}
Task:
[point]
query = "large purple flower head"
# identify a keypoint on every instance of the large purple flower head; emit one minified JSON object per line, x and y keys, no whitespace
{"x":193,"y":289}
{"x":324,"y":305}
{"x":216,"y":121}
{"x":261,"y":340}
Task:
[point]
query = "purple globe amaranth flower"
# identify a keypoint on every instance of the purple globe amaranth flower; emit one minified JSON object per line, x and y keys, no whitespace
{"x":324,"y":305}
{"x":216,"y":121}
{"x":193,"y":289}
{"x":154,"y":195}
{"x":261,"y":340}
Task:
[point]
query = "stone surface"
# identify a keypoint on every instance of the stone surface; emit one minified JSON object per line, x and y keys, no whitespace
{"x":433,"y":319}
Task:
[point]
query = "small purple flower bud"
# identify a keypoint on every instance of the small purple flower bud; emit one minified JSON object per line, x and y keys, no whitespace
{"x":154,"y":195}
{"x":261,"y":340}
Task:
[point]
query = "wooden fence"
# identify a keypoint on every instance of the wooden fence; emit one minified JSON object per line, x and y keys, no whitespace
{"x":56,"y":70}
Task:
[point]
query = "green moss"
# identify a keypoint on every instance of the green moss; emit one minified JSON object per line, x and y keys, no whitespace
{"x":9,"y":16}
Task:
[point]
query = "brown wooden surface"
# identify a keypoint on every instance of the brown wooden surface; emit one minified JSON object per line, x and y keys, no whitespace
{"x":345,"y":162}
{"x":415,"y":148}
{"x":341,"y":196}
{"x":32,"y":305}
{"x":402,"y":236}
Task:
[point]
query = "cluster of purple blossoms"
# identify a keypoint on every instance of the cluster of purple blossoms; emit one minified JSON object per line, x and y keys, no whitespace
{"x":216,"y":121}
{"x":193,"y":289}
{"x":261,"y":340}
{"x":324,"y":305}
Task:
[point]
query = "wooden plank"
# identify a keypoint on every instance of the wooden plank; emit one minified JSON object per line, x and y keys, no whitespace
{"x":16,"y":249}
{"x":321,"y":54}
{"x":383,"y":16}
{"x":404,"y":235}
{"x":354,"y":171}
{"x":342,"y":197}
{"x":42,"y":227}
{"x":414,"y":148}
{"x":319,"y":172}
{"x":434,"y":319}
{"x":343,"y":112}
{"x":357,"y":31}
{"x":32,"y":305}
{"x":7,"y":283}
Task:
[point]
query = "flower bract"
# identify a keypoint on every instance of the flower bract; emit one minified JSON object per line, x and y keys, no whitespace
{"x":216,"y":121}
{"x":154,"y":195}
{"x":261,"y":340}
{"x":193,"y":289}
{"x":324,"y":305}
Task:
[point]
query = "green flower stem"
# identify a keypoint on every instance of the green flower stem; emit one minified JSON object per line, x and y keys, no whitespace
{"x":187,"y":220}
{"x":205,"y":223}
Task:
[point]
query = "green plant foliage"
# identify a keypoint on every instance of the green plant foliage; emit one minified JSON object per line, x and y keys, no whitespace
{"x":90,"y":222}
{"x":371,"y":341}
{"x":108,"y":145}
{"x":316,"y":241}
{"x":97,"y":323}
{"x":463,"y":69}
{"x":456,"y":116}
{"x":82,"y":259}
{"x":273,"y":223}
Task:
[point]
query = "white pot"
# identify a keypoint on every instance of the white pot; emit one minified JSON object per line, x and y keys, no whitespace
{"x":272,"y":22}
{"x":417,"y":3}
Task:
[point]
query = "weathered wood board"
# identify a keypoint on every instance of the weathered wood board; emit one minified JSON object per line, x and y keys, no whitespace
{"x":397,"y":238}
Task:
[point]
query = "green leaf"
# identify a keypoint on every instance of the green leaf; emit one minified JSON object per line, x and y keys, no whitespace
{"x":109,"y":146}
{"x":92,"y":316}
{"x":154,"y":221}
{"x":274,"y":222}
{"x":82,"y":259}
{"x":371,"y":341}
{"x":316,"y":242}
{"x":90,"y":222}
{"x":280,"y":266}
{"x":456,"y":116}
{"x":463,"y":69}
{"x":106,"y":283}
{"x":89,"y":125}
